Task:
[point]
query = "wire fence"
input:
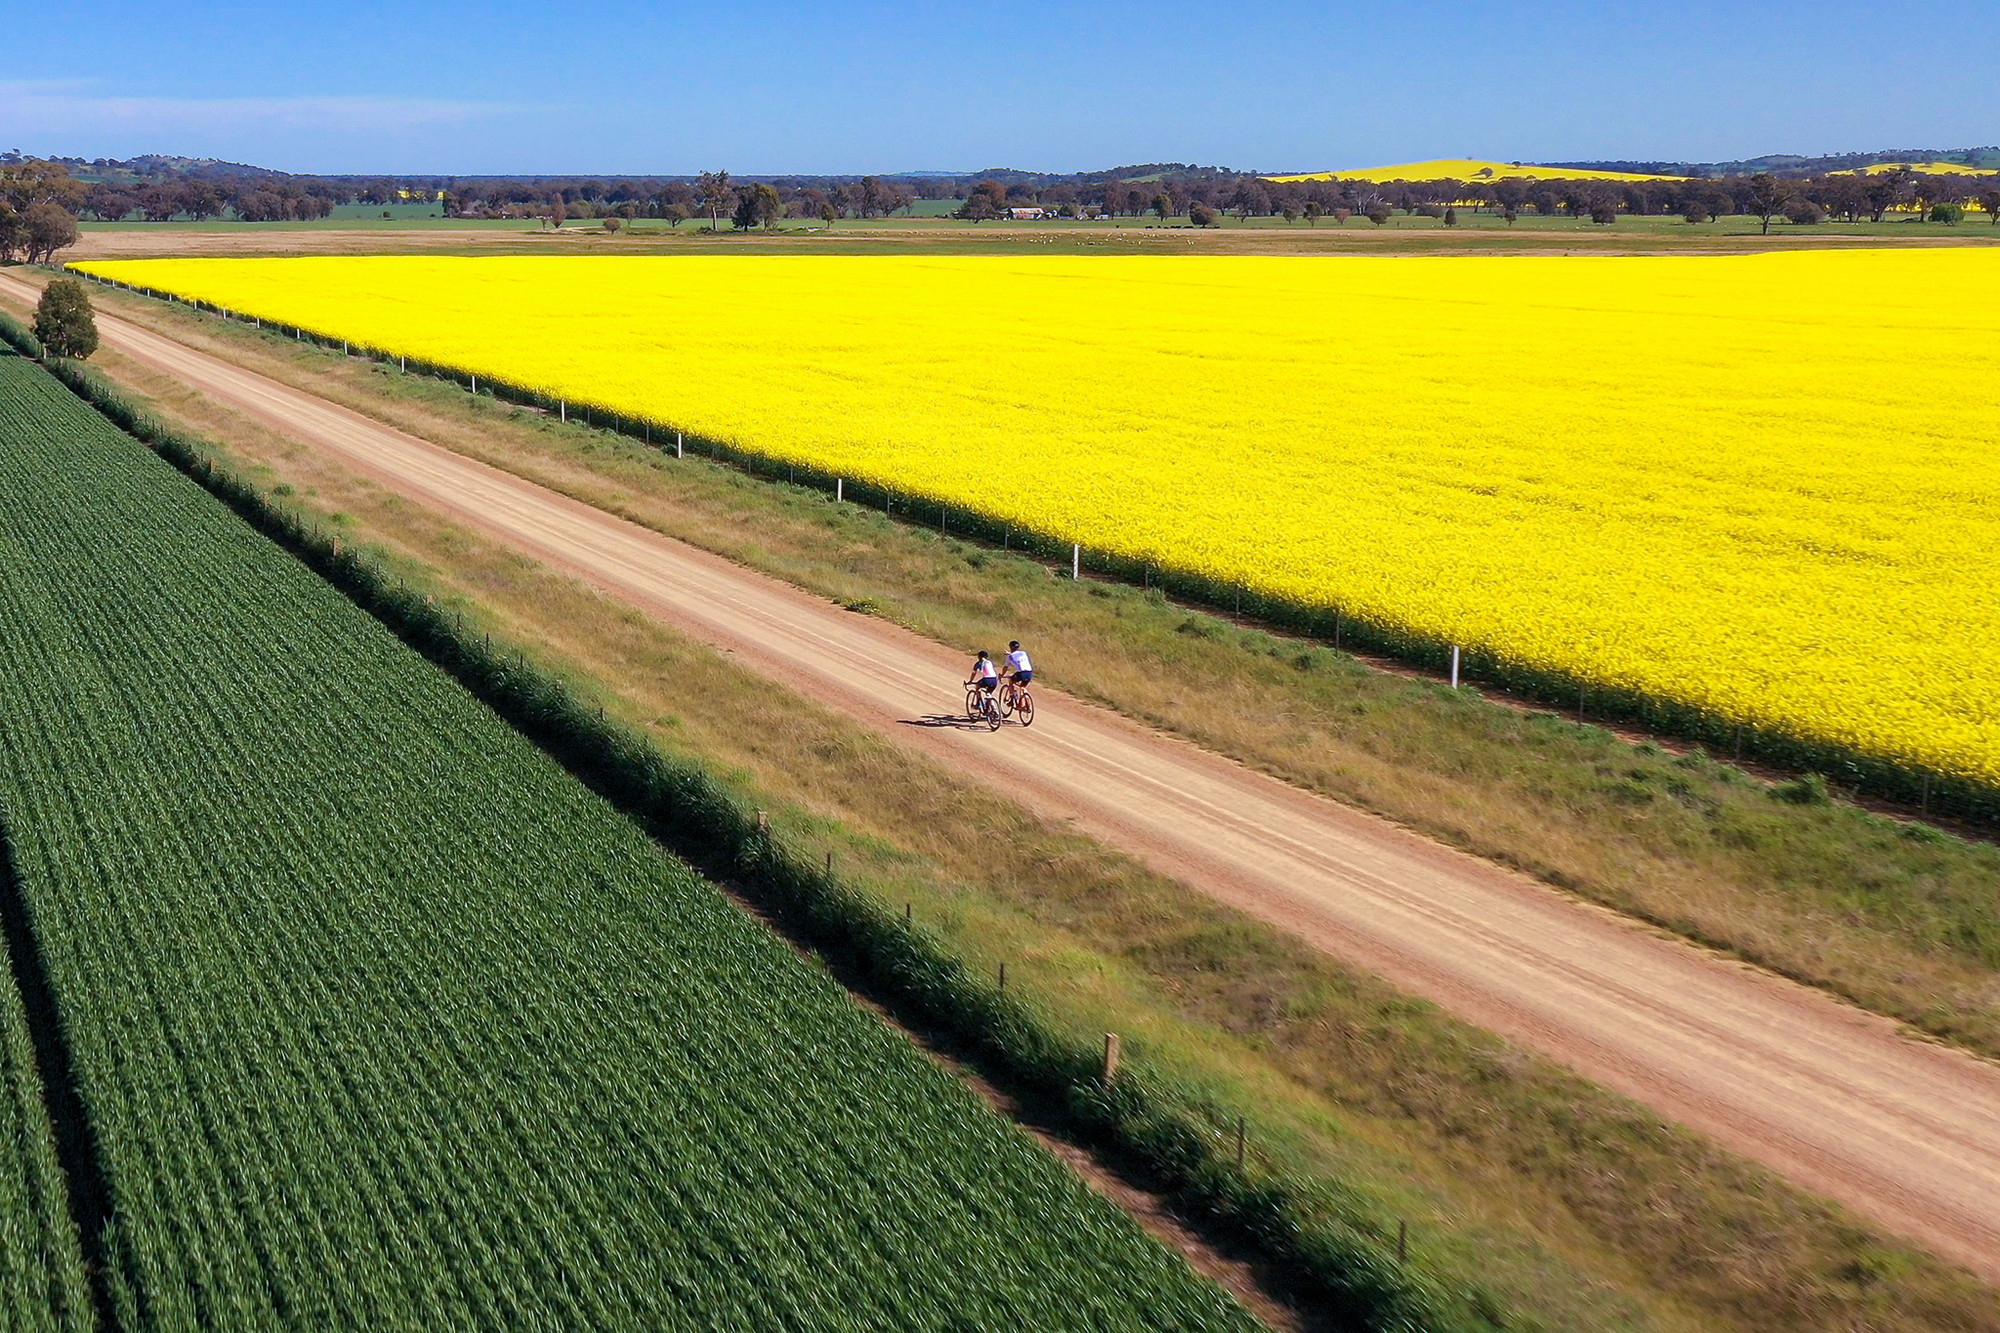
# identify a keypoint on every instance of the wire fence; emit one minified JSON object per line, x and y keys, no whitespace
{"x":1344,"y":628}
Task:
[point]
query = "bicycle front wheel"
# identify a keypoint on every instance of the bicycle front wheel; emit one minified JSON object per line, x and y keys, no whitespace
{"x":973,"y":704}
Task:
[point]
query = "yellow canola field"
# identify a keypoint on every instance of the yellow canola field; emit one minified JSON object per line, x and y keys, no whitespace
{"x":1468,"y":169}
{"x":1922,"y":168}
{"x":1768,"y":485}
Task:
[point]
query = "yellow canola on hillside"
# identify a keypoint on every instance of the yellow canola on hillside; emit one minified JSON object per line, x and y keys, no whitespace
{"x":1922,"y":168}
{"x":1468,"y":169}
{"x":1768,"y":485}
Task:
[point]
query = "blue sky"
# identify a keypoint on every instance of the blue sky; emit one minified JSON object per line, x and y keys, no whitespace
{"x":768,"y":86}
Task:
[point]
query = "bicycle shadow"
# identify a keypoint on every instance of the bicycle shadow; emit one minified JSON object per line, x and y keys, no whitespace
{"x":953,"y":721}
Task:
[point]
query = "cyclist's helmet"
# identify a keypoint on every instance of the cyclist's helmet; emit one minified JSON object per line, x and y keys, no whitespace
{"x":1014,"y":646}
{"x":984,"y":653}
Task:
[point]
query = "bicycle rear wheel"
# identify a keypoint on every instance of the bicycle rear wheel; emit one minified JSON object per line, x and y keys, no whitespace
{"x":993,"y":718}
{"x":1024,"y":709}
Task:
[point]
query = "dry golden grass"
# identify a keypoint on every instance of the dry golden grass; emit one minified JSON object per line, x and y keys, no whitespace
{"x":1580,"y":1209}
{"x":1478,"y":234}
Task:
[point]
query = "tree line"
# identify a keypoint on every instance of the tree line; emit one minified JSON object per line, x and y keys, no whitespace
{"x":1808,"y":200}
{"x":173,"y":189}
{"x":1206,"y":199}
{"x":38,"y":203}
{"x":715,"y":196}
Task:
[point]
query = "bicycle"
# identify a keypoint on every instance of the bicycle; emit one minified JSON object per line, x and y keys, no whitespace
{"x":981,"y":706}
{"x":1016,"y":702}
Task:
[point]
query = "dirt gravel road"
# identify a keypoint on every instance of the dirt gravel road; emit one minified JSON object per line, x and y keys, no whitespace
{"x":1838,"y":1100}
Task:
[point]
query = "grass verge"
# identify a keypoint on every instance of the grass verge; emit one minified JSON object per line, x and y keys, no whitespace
{"x":1535,"y":1199}
{"x":1898,"y":916}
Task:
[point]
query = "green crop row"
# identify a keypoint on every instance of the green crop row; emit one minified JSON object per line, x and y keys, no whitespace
{"x":43,"y":1280}
{"x":383,"y":1019}
{"x":42,"y":1271}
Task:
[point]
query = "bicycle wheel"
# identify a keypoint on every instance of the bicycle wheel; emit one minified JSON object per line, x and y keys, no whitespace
{"x":1006,"y":700}
{"x":1024,"y":709}
{"x":972,"y":702}
{"x":993,"y":718}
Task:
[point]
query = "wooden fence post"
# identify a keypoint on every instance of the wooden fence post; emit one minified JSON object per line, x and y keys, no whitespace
{"x":1110,"y":1057}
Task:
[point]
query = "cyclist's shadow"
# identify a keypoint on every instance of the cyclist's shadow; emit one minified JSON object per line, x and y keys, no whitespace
{"x":952,"y":721}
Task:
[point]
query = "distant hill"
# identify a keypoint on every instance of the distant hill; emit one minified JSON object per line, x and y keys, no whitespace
{"x":165,"y":166}
{"x":1477,"y":169}
{"x":1778,"y":164}
{"x":155,"y":166}
{"x":1791,"y":164}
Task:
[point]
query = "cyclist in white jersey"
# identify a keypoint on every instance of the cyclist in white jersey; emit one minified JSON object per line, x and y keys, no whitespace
{"x":983,"y":674}
{"x":1019,"y":669}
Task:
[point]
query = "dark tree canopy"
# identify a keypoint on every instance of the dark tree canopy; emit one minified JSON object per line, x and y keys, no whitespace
{"x":48,"y":227}
{"x":63,"y":320}
{"x":718,"y":196}
{"x":758,"y":206}
{"x":1768,"y":197}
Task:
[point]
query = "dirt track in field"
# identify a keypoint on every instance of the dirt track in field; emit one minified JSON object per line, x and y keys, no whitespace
{"x":1839,"y":1101}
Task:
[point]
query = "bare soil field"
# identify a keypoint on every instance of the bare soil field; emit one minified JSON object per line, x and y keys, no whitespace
{"x":1541,"y":236}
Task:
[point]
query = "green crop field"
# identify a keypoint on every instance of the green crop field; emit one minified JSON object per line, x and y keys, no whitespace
{"x":42,"y":1283}
{"x":380,"y":1019}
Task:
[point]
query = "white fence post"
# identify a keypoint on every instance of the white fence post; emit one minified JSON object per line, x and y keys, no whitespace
{"x":839,"y":489}
{"x":677,"y":445}
{"x":562,"y":410}
{"x":1076,"y":561}
{"x":1454,"y":666}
